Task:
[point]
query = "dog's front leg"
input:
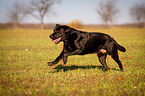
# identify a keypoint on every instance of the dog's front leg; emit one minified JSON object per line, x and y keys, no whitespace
{"x":64,"y":59}
{"x":66,"y":54}
{"x":71,"y":53}
{"x":60,"y":57}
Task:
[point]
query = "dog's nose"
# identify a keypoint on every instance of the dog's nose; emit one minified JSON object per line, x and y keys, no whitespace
{"x":51,"y":36}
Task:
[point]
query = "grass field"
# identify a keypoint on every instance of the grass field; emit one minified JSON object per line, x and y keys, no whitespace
{"x":24,"y":72}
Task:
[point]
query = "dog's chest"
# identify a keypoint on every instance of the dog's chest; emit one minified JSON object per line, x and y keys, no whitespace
{"x":69,"y":46}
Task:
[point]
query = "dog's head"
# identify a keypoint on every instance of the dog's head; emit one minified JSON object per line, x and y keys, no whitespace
{"x":60,"y":33}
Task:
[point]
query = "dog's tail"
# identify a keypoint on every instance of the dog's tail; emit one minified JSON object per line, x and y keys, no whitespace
{"x":119,"y":47}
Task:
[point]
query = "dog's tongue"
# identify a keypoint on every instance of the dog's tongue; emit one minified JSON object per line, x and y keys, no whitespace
{"x":56,"y":40}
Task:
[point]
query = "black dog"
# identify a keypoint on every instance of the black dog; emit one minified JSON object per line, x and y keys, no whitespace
{"x":80,"y":43}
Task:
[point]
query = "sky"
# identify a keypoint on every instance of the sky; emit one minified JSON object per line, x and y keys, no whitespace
{"x":68,"y":10}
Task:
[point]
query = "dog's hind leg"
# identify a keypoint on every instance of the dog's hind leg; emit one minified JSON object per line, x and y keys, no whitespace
{"x":102,"y":59}
{"x":64,"y":59}
{"x":114,"y":55}
{"x":116,"y":58}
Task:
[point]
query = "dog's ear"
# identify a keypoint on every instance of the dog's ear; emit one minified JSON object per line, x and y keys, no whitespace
{"x":67,"y":28}
{"x":57,"y":25}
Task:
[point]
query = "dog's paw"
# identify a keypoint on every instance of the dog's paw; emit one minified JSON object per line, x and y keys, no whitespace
{"x":50,"y":64}
{"x":121,"y":70}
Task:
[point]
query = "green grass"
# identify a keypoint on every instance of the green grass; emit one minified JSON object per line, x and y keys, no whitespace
{"x":23,"y":66}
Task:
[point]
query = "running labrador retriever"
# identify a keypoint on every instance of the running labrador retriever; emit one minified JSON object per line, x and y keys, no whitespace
{"x":80,"y":43}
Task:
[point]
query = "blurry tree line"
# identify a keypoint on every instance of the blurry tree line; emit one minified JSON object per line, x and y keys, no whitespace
{"x":108,"y":10}
{"x":40,"y":8}
{"x":37,"y":8}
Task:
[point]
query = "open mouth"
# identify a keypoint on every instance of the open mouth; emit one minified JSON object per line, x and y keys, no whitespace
{"x":56,"y":40}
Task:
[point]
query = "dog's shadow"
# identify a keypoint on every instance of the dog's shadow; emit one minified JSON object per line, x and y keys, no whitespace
{"x":74,"y":67}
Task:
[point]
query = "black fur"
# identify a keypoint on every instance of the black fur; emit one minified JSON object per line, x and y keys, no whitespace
{"x":80,"y":43}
